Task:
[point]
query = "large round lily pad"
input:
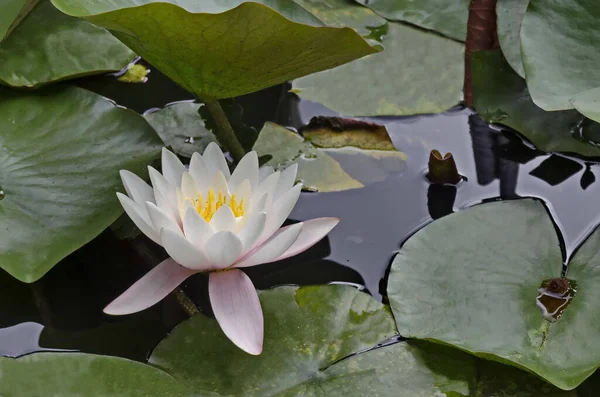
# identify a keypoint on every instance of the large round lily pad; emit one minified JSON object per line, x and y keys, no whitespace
{"x":223,"y":49}
{"x":418,"y":71}
{"x":84,"y":375}
{"x":48,"y":46}
{"x":510,"y":15}
{"x":560,"y":41}
{"x":501,"y":96}
{"x":60,"y":155}
{"x":471,"y":280}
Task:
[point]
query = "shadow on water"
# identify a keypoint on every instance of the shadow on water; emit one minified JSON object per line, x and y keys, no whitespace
{"x":64,"y":309}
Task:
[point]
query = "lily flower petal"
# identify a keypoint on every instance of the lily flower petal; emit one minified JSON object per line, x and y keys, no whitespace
{"x":164,"y":193}
{"x":172,"y":168}
{"x":273,"y":248}
{"x":279,"y":211}
{"x":136,"y":187}
{"x":222,"y":249}
{"x":223,"y":220}
{"x":196,"y":229}
{"x":251,"y":232}
{"x":183,"y":252}
{"x":161,"y":219}
{"x":189,"y":187}
{"x":215,"y":160}
{"x":150,"y":289}
{"x":312,"y":232}
{"x":237,"y":309}
{"x":247,"y":168}
{"x":139,"y":216}
{"x":286,"y":181}
{"x":264,"y":172}
{"x":199,"y":172}
{"x":267,"y":187}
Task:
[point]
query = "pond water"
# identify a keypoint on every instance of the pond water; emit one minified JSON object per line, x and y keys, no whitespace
{"x":63,"y":311}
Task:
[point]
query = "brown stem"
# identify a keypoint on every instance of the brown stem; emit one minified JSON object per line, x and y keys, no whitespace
{"x":224,"y":132}
{"x":481,"y":35}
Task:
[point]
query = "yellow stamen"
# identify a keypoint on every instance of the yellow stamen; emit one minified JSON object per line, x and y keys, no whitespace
{"x":208,"y":208}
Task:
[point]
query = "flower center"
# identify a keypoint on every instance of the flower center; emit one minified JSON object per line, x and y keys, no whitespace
{"x":207,"y":208}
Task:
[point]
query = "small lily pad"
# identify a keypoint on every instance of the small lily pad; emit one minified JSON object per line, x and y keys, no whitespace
{"x":559,"y":47}
{"x":224,"y":49}
{"x":418,"y":71}
{"x":448,"y":17}
{"x":510,"y":15}
{"x":180,"y":127}
{"x":61,"y":150}
{"x":49,"y":46}
{"x":471,"y":280}
{"x":501,"y":96}
{"x":77,"y":375}
{"x":316,"y":169}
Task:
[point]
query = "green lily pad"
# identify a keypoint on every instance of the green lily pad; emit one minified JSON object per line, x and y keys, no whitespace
{"x":510,"y":15}
{"x":559,"y":48}
{"x":448,"y":17}
{"x":13,"y":12}
{"x":471,"y":280}
{"x":418,"y":72}
{"x":77,"y":375}
{"x":501,"y":96}
{"x":221,"y":51}
{"x":588,"y":103}
{"x":60,"y":155}
{"x":49,"y":46}
{"x":180,"y":127}
{"x":316,"y":169}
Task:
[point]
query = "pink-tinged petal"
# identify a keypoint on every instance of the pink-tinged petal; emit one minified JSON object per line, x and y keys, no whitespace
{"x":161,"y":220}
{"x":183,"y":252}
{"x":189,"y":188}
{"x":286,"y":181}
{"x":251,"y":232}
{"x":199,"y":172}
{"x":264,"y":172}
{"x":279,"y":211}
{"x":223,"y":220}
{"x":273,"y":247}
{"x":136,"y":187}
{"x":139,"y":216}
{"x":247,"y":168}
{"x":312,"y":232}
{"x":172,"y":168}
{"x":150,"y":289}
{"x":196,"y":229}
{"x":222,"y":249}
{"x":236,"y":306}
{"x":215,"y":160}
{"x":267,"y":187}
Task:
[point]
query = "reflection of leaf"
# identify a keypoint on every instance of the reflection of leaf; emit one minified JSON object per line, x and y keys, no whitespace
{"x":556,"y":169}
{"x":471,"y":280}
{"x":49,"y":46}
{"x":510,"y":15}
{"x":222,"y":51}
{"x":180,"y":127}
{"x":559,"y":46}
{"x":76,"y":374}
{"x":448,"y":17}
{"x":501,"y":96}
{"x":316,"y":169}
{"x":62,"y":152}
{"x":419,"y":72}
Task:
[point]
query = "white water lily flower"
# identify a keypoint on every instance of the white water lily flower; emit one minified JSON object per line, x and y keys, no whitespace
{"x":209,"y":220}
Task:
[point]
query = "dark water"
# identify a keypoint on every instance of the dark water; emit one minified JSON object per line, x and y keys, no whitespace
{"x":64,"y":310}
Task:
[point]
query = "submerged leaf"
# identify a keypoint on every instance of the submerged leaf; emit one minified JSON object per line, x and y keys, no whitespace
{"x":61,"y":152}
{"x":471,"y":280}
{"x":224,"y":49}
{"x":49,"y":46}
{"x":418,"y":71}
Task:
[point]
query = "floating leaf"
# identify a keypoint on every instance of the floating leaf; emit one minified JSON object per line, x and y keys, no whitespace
{"x":180,"y":127}
{"x":337,"y":132}
{"x":216,"y":50}
{"x":49,"y":46}
{"x":588,"y":103}
{"x":60,"y":155}
{"x":501,"y":96}
{"x":510,"y":15}
{"x":471,"y":280}
{"x":559,"y":48}
{"x":316,"y":169}
{"x":77,"y":375}
{"x":448,"y":17}
{"x":418,"y":72}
